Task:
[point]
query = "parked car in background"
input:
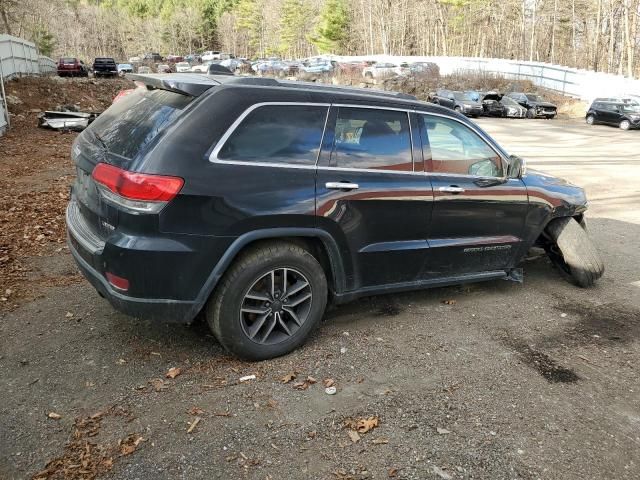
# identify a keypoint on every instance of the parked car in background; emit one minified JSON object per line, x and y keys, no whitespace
{"x":216,"y":68}
{"x":491,"y":106}
{"x":164,"y":68}
{"x":183,"y":67}
{"x":193,"y":58}
{"x":71,"y":67}
{"x":164,"y":235}
{"x":105,"y":67}
{"x":153,"y":57}
{"x":424,"y":69}
{"x":230,"y":63}
{"x":351,"y":68}
{"x":385,"y":70}
{"x":210,"y":55}
{"x":124,"y":68}
{"x":536,"y":105}
{"x":320,"y":67}
{"x":617,"y":113}
{"x":135,"y":60}
{"x":202,"y":68}
{"x":458,"y":101}
{"x":175,"y":59}
{"x":512,"y":108}
{"x":143,"y":69}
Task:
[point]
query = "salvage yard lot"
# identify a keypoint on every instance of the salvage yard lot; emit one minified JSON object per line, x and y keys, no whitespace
{"x":495,"y":380}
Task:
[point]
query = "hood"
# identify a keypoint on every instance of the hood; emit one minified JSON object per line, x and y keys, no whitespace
{"x":542,"y":104}
{"x":556,"y":193}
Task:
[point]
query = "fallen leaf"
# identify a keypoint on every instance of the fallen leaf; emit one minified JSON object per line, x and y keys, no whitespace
{"x":311,"y":380}
{"x":69,"y":315}
{"x":328,"y":382}
{"x":364,"y":425}
{"x":449,"y":302}
{"x":442,"y":431}
{"x":195,"y":411}
{"x":288,"y":377}
{"x":54,"y":416}
{"x":130,"y":444}
{"x":301,"y":385}
{"x":393,"y":472}
{"x":380,"y":441}
{"x":173,"y":372}
{"x":158,"y":384}
{"x":353,"y":435}
{"x":193,"y":424}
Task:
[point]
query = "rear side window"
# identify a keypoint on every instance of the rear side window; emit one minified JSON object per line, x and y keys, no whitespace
{"x":131,"y":124}
{"x":373,"y":139}
{"x":288,"y":134}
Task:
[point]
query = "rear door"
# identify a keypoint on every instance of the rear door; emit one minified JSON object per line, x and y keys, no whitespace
{"x":478,"y":214}
{"x":372,"y":196}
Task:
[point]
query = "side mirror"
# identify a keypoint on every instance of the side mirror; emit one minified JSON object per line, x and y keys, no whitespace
{"x":517,"y":167}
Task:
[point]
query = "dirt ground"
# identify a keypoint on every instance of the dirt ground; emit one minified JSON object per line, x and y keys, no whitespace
{"x":488,"y":381}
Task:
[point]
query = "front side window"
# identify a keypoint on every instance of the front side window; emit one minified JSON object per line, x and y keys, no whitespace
{"x":278,"y":134}
{"x":373,"y":139}
{"x":456,"y":149}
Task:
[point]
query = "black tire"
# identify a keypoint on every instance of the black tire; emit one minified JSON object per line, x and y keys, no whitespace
{"x":223,"y":312}
{"x":590,"y":120}
{"x":573,"y":252}
{"x":531,"y":113}
{"x":550,"y":117}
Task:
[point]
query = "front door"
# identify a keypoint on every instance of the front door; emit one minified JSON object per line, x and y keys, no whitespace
{"x":478,"y":215}
{"x":372,"y":196}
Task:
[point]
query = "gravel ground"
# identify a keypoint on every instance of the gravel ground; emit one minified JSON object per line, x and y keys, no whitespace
{"x":489,"y":381}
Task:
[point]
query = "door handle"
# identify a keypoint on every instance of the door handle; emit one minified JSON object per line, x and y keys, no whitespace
{"x":341,"y":186}
{"x":452,"y":189}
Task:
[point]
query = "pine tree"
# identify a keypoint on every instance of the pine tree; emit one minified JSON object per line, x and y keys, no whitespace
{"x":331,"y":32}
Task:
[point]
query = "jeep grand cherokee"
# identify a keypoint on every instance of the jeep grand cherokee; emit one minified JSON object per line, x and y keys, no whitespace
{"x":257,"y":201}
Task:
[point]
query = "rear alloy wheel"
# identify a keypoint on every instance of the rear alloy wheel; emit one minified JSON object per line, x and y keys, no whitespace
{"x":268,"y":302}
{"x":625,"y":124}
{"x":590,"y":120}
{"x":458,"y":109}
{"x":572,"y":251}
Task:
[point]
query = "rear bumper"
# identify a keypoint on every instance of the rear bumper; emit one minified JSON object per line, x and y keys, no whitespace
{"x":87,"y":250}
{"x":146,"y":308}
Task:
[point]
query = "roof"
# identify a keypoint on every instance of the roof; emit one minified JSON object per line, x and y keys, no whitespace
{"x":195,"y":84}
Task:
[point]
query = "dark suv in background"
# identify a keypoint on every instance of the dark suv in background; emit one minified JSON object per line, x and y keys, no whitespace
{"x":616,"y":112}
{"x":105,"y":67}
{"x":257,"y":201}
{"x":459,"y":101}
{"x":536,"y":105}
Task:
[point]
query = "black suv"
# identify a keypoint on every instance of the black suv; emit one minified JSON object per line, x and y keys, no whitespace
{"x":614,"y":112}
{"x":536,"y":105}
{"x":459,"y":101}
{"x":105,"y":67}
{"x":257,"y":201}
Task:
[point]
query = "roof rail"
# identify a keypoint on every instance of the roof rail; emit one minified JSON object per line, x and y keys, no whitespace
{"x":272,"y":82}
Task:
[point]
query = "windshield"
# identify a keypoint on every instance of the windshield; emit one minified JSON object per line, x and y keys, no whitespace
{"x":462,"y":97}
{"x":630,"y":108}
{"x":534,"y":98}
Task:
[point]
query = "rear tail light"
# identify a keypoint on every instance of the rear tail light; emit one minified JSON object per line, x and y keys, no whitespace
{"x":117,"y":282}
{"x":135,"y":192}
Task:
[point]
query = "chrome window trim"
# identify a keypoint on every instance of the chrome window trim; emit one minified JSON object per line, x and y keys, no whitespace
{"x":213,"y":157}
{"x":483,"y":137}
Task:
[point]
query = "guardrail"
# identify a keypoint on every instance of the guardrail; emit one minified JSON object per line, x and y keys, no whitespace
{"x":583,"y":84}
{"x":19,"y":57}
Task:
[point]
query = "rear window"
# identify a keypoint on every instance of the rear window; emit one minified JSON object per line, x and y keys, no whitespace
{"x":128,"y":126}
{"x":67,"y":60}
{"x":105,"y":60}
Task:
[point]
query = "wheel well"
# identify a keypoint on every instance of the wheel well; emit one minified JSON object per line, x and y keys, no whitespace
{"x":313,"y":245}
